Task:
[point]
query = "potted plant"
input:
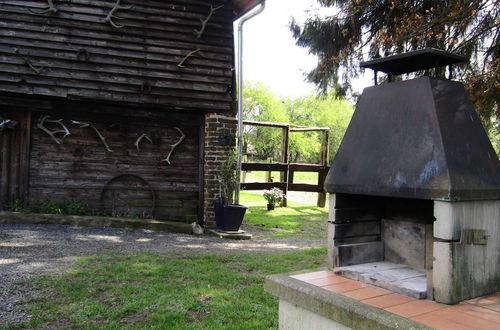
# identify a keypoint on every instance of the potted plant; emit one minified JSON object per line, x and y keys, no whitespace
{"x":228,"y":216}
{"x":273,"y":196}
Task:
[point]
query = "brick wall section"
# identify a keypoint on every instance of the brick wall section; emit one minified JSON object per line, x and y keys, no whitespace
{"x":215,"y":155}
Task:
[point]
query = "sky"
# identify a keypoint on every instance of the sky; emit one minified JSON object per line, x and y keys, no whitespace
{"x":270,"y":54}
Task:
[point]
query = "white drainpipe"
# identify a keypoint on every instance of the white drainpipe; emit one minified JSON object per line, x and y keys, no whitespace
{"x":240,"y":96}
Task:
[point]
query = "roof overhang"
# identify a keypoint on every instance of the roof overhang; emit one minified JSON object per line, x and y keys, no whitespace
{"x":241,"y":7}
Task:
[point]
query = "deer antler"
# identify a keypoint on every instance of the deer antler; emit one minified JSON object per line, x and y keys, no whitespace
{"x":139,"y":139}
{"x":173,"y":146}
{"x":199,"y":33}
{"x":192,"y":53}
{"x":27,"y":61}
{"x":99,"y":135}
{"x":111,"y":14}
{"x":7,"y":123}
{"x":52,"y":134}
{"x":50,"y":8}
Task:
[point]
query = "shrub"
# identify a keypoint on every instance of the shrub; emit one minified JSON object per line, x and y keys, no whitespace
{"x":16,"y":206}
{"x":75,"y":208}
{"x":51,"y":208}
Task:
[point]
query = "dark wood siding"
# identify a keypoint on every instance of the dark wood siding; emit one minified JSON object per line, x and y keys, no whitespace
{"x":125,"y":182}
{"x":82,"y":57}
{"x":14,"y":159}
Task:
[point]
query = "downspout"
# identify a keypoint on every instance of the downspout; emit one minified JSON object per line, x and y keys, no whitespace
{"x":239,"y":150}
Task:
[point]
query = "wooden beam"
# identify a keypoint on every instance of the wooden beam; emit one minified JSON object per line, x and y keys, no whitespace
{"x":266,"y":124}
{"x":285,"y":150}
{"x":309,"y":129}
{"x":283,"y":167}
{"x":263,"y":167}
{"x":304,"y":187}
{"x":262,"y":185}
{"x":324,"y":155}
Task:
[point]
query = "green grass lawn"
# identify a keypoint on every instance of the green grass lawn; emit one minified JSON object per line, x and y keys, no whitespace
{"x":300,"y":219}
{"x":166,"y":292}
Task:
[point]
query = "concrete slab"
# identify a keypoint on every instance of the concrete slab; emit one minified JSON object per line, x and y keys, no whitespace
{"x":394,"y":277}
{"x":237,"y":235}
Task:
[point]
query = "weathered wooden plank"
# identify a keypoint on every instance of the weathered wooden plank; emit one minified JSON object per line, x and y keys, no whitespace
{"x":93,"y":194}
{"x":360,"y":253}
{"x":25,"y":125}
{"x":357,"y":229}
{"x":15,"y":175}
{"x":133,"y":65}
{"x":262,"y":186}
{"x":263,"y":167}
{"x":126,"y":179}
{"x":122,"y":84}
{"x":134,"y":20}
{"x":304,"y":187}
{"x":357,"y":239}
{"x":106,"y":47}
{"x":124,"y":98}
{"x":354,"y":214}
{"x":5,"y":169}
{"x":134,"y":28}
{"x":158,"y":66}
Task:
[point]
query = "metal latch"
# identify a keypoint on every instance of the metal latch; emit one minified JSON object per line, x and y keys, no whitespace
{"x":474,"y":236}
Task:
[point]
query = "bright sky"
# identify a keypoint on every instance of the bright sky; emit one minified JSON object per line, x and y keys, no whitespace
{"x":270,"y":54}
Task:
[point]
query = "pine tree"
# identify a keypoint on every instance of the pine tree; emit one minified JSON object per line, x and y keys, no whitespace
{"x":367,"y":29}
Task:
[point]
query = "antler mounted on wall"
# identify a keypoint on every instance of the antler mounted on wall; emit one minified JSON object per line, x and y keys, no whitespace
{"x":190,"y":54}
{"x":7,"y":124}
{"x":112,"y":16}
{"x":36,"y":69}
{"x":51,"y":8}
{"x":139,"y":139}
{"x":50,"y":133}
{"x":99,"y":135}
{"x":199,"y":33}
{"x":173,"y":146}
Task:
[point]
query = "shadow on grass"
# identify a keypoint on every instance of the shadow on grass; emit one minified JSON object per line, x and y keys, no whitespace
{"x":296,"y":219}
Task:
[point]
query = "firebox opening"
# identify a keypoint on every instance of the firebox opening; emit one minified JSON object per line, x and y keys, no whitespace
{"x":384,"y":241}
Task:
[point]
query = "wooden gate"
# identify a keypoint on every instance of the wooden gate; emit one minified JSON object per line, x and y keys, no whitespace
{"x":288,"y":169}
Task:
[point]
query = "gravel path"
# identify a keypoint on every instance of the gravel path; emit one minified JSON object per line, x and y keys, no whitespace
{"x":37,"y":249}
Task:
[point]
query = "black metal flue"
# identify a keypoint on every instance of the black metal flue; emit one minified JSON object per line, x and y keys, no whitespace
{"x":419,"y":138}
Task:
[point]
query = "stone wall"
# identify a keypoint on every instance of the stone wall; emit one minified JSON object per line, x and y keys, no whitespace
{"x":219,"y":131}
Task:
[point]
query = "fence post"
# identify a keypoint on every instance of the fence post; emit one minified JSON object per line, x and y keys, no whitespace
{"x":285,"y":150}
{"x":244,"y":173}
{"x":269,"y":177}
{"x":324,"y":155}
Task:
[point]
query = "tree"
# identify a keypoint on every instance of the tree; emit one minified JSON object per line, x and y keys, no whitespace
{"x":262,"y":105}
{"x":366,"y":29}
{"x":263,"y":142}
{"x":325,"y":111}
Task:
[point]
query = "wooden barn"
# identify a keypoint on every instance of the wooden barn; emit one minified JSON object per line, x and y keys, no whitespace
{"x":119,"y":104}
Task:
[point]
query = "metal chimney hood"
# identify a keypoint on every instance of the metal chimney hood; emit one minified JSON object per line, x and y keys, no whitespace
{"x":419,"y":138}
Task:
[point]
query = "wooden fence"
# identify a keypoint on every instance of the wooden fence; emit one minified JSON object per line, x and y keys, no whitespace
{"x":287,"y":169}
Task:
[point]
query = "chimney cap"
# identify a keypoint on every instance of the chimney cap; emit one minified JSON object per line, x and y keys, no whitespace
{"x":417,"y":60}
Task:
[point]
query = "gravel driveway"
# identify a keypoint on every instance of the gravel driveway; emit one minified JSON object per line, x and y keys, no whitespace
{"x":37,"y":249}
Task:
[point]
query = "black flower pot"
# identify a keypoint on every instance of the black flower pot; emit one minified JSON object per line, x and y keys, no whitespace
{"x":270,"y":207}
{"x":229,"y":217}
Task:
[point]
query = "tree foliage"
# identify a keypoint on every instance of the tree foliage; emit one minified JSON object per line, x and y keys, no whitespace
{"x":263,"y":142}
{"x":366,"y":29}
{"x":262,"y":105}
{"x":316,"y":111}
